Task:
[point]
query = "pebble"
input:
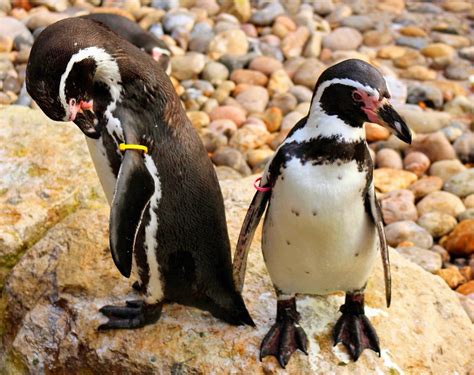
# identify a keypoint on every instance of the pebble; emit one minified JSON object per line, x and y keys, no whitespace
{"x":424,"y":121}
{"x":461,"y":184}
{"x":253,"y":99}
{"x":425,"y":186}
{"x":388,"y":158}
{"x":187,"y":66}
{"x":16,"y":30}
{"x":435,"y":145}
{"x":412,"y":42}
{"x":251,"y":77}
{"x":469,"y":201}
{"x":198,"y":119}
{"x":388,"y":179}
{"x":234,"y":114}
{"x":391,"y":52}
{"x":430,"y":96}
{"x":340,"y":12}
{"x":442,"y":252}
{"x":230,"y":157}
{"x":455,"y":41}
{"x":441,"y":201}
{"x":374,"y":132}
{"x":416,"y":162}
{"x":267,"y":15}
{"x":418,"y":72}
{"x":401,"y":231}
{"x":201,"y":37}
{"x":43,"y":19}
{"x":178,"y":20}
{"x":398,"y":205}
{"x":223,"y":126}
{"x":293,"y":43}
{"x":258,"y":157}
{"x":445,"y":169}
{"x":466,"y":289}
{"x":343,"y":38}
{"x":323,"y":7}
{"x":301,"y":93}
{"x":211,"y":140}
{"x":313,"y":46}
{"x":437,"y":223}
{"x":409,"y":58}
{"x":459,"y":70}
{"x":215,"y":72}
{"x":249,"y":137}
{"x":358,"y":22}
{"x":285,"y":102}
{"x":452,"y":276}
{"x":426,"y":259}
{"x":435,"y":50}
{"x":412,"y":31}
{"x":467,"y":53}
{"x":466,"y":215}
{"x":265,"y":64}
{"x":308,"y":73}
{"x":290,"y":120}
{"x":272,"y":117}
{"x":231,"y":42}
{"x":375,"y":38}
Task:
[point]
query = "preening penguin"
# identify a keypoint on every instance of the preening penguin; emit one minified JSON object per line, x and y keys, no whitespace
{"x":323,"y":223}
{"x":167,"y":219}
{"x":132,"y":32}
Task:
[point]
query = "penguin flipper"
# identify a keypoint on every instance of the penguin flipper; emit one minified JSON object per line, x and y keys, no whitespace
{"x":249,"y":226}
{"x":133,"y":191}
{"x":377,"y":216}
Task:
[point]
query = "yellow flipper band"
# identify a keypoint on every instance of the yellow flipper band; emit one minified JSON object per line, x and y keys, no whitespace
{"x":124,"y":147}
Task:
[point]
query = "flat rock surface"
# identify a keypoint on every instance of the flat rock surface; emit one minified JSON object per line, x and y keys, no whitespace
{"x":46,"y":173}
{"x":54,"y":293}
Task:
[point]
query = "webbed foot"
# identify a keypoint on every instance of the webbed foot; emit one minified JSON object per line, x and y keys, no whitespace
{"x":354,"y":329}
{"x":286,"y":335}
{"x":135,"y":314}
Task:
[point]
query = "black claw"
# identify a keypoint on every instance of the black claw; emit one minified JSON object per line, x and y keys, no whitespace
{"x":135,"y":314}
{"x":354,"y":330}
{"x":285,"y":336}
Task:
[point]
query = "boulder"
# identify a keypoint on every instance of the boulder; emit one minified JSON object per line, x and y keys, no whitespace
{"x":54,"y":293}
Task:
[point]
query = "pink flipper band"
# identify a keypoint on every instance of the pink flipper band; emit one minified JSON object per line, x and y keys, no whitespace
{"x":257,"y":186}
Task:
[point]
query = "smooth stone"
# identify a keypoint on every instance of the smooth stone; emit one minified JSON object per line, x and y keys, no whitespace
{"x":265,"y":64}
{"x":267,"y":15}
{"x":431,"y":96}
{"x":340,"y":12}
{"x":235,"y":114}
{"x":198,"y":119}
{"x":461,"y":240}
{"x":445,"y":169}
{"x":409,"y":58}
{"x":200,"y":37}
{"x":212,"y":141}
{"x":230,"y":157}
{"x":165,"y":4}
{"x":210,"y":6}
{"x":314,"y":44}
{"x":343,"y":38}
{"x":451,"y":276}
{"x":223,"y":126}
{"x":398,"y":90}
{"x":178,"y":20}
{"x":467,"y":53}
{"x":290,"y":120}
{"x":285,"y":102}
{"x":258,"y":157}
{"x":358,"y":22}
{"x":464,"y":147}
{"x":469,"y":201}
{"x":455,"y":41}
{"x":412,"y":31}
{"x":293,"y":43}
{"x":227,"y":173}
{"x":16,"y":30}
{"x":460,"y":106}
{"x":272,"y":117}
{"x":187,"y":66}
{"x":253,"y":99}
{"x":435,"y":50}
{"x":387,"y":179}
{"x":323,"y":7}
{"x":419,"y":73}
{"x":391,"y":52}
{"x":459,"y":70}
{"x":308,"y":73}
{"x":461,"y":184}
{"x":375,"y":38}
{"x":425,"y":186}
{"x":466,"y":215}
{"x":43,"y":19}
{"x":279,"y":82}
{"x":424,"y":121}
{"x":247,"y":76}
{"x":426,"y":259}
{"x":388,"y":158}
{"x":437,"y":223}
{"x":457,"y":6}
{"x":398,"y":205}
{"x":301,"y":93}
{"x":249,"y":137}
{"x":374,"y":132}
{"x":231,"y":42}
{"x":215,"y":72}
{"x":412,"y":42}
{"x":435,"y":145}
{"x":401,"y":231}
{"x":416,"y":162}
{"x":441,"y":201}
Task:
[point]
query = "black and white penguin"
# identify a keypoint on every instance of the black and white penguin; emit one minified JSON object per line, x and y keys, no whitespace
{"x":132,"y":32}
{"x":323,"y":223}
{"x":167,"y":219}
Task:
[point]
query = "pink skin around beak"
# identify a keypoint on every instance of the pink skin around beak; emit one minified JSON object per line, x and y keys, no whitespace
{"x":156,"y":54}
{"x":75,"y":107}
{"x":371,"y":105}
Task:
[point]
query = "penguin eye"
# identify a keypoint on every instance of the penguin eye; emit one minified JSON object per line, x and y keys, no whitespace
{"x":72,"y":102}
{"x":356,"y":96}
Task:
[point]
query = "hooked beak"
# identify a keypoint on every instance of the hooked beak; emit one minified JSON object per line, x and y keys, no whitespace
{"x":384,"y":114}
{"x":78,"y":107}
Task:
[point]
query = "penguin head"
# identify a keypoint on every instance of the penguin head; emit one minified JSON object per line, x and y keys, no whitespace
{"x":356,"y":92}
{"x":64,"y":75}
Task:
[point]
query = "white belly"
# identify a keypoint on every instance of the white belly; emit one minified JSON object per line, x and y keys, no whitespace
{"x":102,"y":167}
{"x":317,"y":237}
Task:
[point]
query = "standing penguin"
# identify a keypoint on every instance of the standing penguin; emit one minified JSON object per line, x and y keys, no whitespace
{"x":167,"y":218}
{"x":142,"y":39}
{"x":323,"y":222}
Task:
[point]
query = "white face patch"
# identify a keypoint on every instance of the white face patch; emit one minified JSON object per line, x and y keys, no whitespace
{"x":347,"y":82}
{"x":107,"y":71}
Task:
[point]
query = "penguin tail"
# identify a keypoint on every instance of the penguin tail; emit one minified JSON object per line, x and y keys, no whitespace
{"x":231,"y":309}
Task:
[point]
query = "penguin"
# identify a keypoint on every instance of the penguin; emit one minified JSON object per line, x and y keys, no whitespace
{"x":323,"y":224}
{"x":167,"y":218}
{"x":132,"y":32}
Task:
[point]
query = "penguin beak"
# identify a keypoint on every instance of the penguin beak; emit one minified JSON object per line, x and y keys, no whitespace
{"x":384,"y":114}
{"x":75,"y":107}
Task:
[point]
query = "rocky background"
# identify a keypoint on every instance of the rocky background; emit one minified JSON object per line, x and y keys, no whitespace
{"x":245,"y":71}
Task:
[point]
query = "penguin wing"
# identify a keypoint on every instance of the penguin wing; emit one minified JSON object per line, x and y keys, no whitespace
{"x":254,"y":214}
{"x":133,"y":191}
{"x":377,"y":216}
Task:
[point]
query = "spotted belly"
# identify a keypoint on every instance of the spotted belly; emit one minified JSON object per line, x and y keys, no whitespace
{"x":317,"y":236}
